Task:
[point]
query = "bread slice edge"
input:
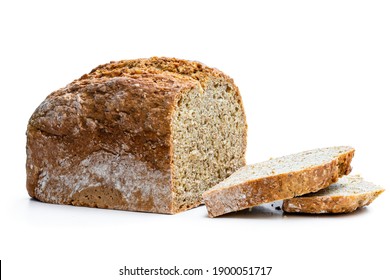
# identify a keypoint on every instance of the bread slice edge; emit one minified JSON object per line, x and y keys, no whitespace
{"x":332,"y":200}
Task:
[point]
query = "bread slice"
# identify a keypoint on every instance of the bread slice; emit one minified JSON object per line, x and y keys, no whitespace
{"x":279,"y":178}
{"x":347,"y":195}
{"x":143,"y":135}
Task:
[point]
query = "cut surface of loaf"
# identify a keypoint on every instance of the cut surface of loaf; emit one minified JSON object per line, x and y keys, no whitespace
{"x":348,"y":194}
{"x":279,"y":178}
{"x":144,"y":135}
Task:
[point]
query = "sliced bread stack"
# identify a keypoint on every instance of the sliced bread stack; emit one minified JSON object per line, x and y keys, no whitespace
{"x":291,"y":176}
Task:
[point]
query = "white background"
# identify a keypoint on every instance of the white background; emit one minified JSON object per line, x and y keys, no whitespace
{"x":311,"y":73}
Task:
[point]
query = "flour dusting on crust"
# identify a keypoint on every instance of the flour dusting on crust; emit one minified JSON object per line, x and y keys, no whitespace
{"x":131,"y":177}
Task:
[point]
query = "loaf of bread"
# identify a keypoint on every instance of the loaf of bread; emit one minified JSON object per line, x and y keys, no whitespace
{"x":143,"y":135}
{"x":279,"y":178}
{"x":348,"y":194}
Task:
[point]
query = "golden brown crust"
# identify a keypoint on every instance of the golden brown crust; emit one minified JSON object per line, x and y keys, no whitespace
{"x":277,"y":187}
{"x":329,"y":204}
{"x":344,"y":163}
{"x":193,"y":69}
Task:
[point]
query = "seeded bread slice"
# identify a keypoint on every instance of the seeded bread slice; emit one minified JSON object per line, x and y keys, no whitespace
{"x":345,"y":196}
{"x":279,"y":178}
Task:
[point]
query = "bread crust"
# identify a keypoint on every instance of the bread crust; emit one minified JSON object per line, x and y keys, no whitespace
{"x":193,"y":69}
{"x":272,"y":188}
{"x":329,"y":205}
{"x":115,"y":119}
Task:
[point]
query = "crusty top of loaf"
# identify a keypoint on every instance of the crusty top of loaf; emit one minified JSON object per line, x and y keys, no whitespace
{"x":193,"y":69}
